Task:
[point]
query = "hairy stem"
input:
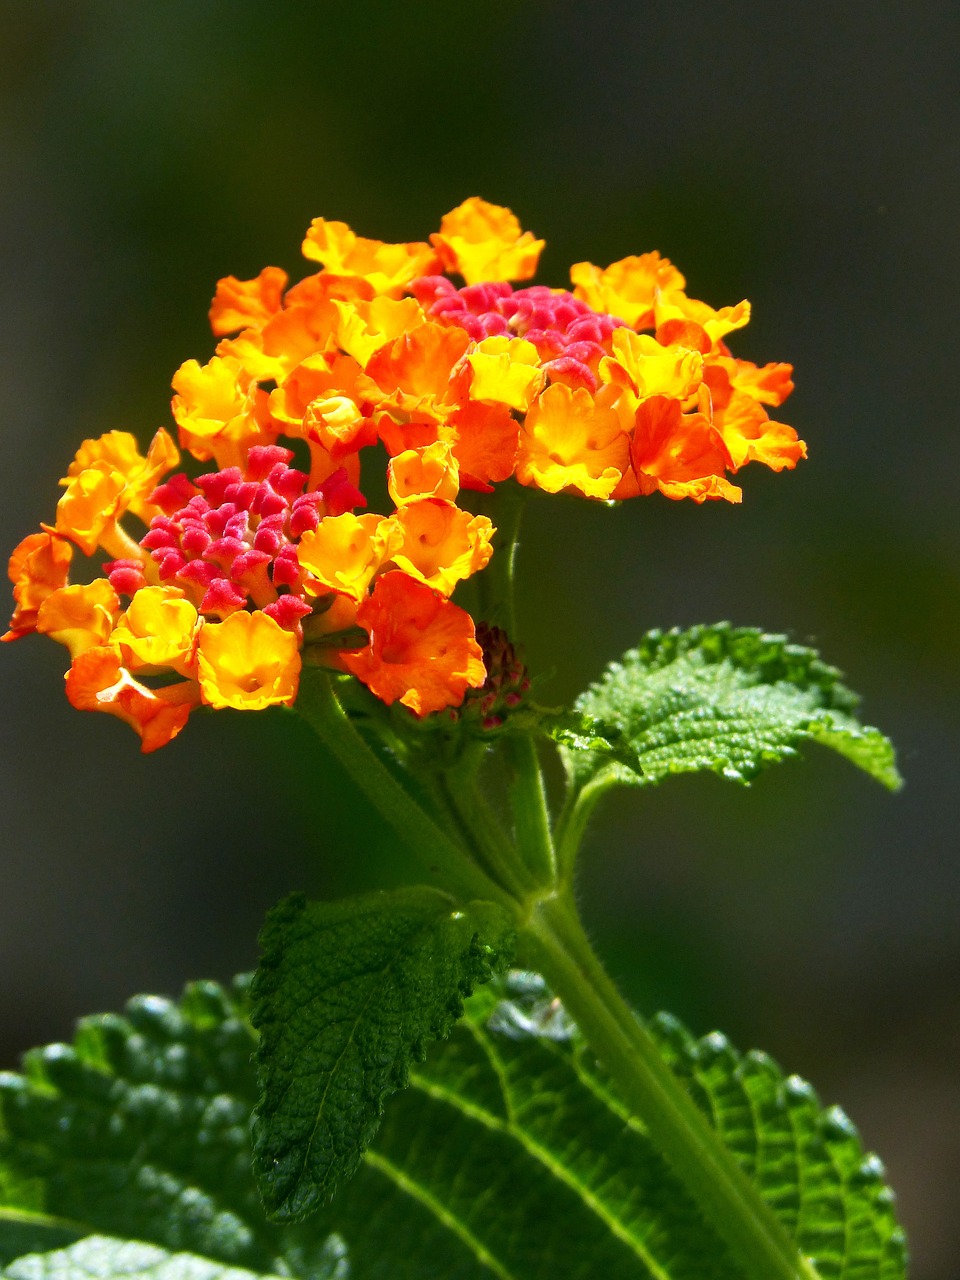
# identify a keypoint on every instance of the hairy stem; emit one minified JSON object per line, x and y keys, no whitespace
{"x":562,"y":952}
{"x":321,"y":708}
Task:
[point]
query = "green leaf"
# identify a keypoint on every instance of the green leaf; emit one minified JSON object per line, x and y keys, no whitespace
{"x":572,"y":727}
{"x":100,"y":1258}
{"x":725,"y":699}
{"x":141,"y":1128}
{"x":509,"y":1156}
{"x":22,"y":1232}
{"x":346,"y":997}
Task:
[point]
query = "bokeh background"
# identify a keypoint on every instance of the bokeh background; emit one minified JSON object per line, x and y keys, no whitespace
{"x":805,"y":157}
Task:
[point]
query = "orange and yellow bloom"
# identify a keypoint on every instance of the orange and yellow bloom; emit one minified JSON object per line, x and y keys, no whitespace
{"x":222,"y":586}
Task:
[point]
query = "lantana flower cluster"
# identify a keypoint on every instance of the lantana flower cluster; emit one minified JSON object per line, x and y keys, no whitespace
{"x":216,"y":589}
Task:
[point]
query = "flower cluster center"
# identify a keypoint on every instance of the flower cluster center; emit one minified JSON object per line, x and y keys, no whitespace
{"x":570,"y":337}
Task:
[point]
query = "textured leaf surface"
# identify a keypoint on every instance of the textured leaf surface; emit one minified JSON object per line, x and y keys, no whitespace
{"x":100,"y":1258}
{"x":574,"y":728}
{"x":509,"y":1156}
{"x":346,"y":997}
{"x":725,"y":699}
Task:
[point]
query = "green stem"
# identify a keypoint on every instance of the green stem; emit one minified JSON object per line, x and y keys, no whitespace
{"x":480,"y":832}
{"x":562,"y":952}
{"x":495,"y":583}
{"x":528,"y":802}
{"x":572,"y":824}
{"x":319,"y":705}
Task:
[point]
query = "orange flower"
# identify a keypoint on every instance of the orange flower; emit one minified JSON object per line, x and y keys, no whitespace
{"x":389,"y":268}
{"x":628,"y":288}
{"x":97,"y":681}
{"x":484,"y":242}
{"x":415,"y":370}
{"x":247,"y":304}
{"x":216,"y":408}
{"x":750,"y":435}
{"x":80,"y":617}
{"x":423,"y":650}
{"x":248,"y":662}
{"x":680,"y":454}
{"x":674,"y":305}
{"x":441,"y":545}
{"x":38,"y":567}
{"x":570,"y":441}
{"x":484,"y":439}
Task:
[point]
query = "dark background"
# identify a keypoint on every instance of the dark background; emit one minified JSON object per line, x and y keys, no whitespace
{"x":804,"y":157}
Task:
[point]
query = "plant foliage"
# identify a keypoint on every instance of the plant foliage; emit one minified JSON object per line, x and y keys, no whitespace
{"x":726,"y":699}
{"x":509,"y":1156}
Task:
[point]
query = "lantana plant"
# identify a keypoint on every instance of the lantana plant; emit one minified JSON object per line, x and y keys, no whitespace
{"x":335,"y":531}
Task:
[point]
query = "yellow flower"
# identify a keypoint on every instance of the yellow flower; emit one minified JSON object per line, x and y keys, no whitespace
{"x":640,"y":363}
{"x":484,"y":242}
{"x":159,"y":629}
{"x":118,"y":451}
{"x":628,"y":288}
{"x":344,"y":552}
{"x":570,"y":441}
{"x":361,"y":328}
{"x":247,"y":662}
{"x":674,"y":305}
{"x":81,"y":616}
{"x":217,"y":412}
{"x":441,"y":545}
{"x":387,"y":267}
{"x":506,"y":370}
{"x":429,"y":472}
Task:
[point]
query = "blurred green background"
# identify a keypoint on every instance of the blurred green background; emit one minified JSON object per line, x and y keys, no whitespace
{"x":806,"y":158}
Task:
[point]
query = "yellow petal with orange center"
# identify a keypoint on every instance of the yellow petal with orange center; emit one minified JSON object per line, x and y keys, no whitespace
{"x":484,"y":241}
{"x":344,"y":552}
{"x":649,"y":369}
{"x":361,"y":328}
{"x":675,"y":305}
{"x":569,"y":441}
{"x":159,"y":629}
{"x":628,"y":288}
{"x":91,"y":503}
{"x":387,"y":267}
{"x":216,"y":409}
{"x":429,"y":472}
{"x":506,"y":370}
{"x":442,"y":545}
{"x":248,"y":662}
{"x":81,"y":616}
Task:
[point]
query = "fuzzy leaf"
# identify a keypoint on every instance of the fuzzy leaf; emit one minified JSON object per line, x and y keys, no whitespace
{"x":346,"y":997}
{"x":141,"y":1129}
{"x":730,"y":700}
{"x":509,"y":1156}
{"x":575,"y":729}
